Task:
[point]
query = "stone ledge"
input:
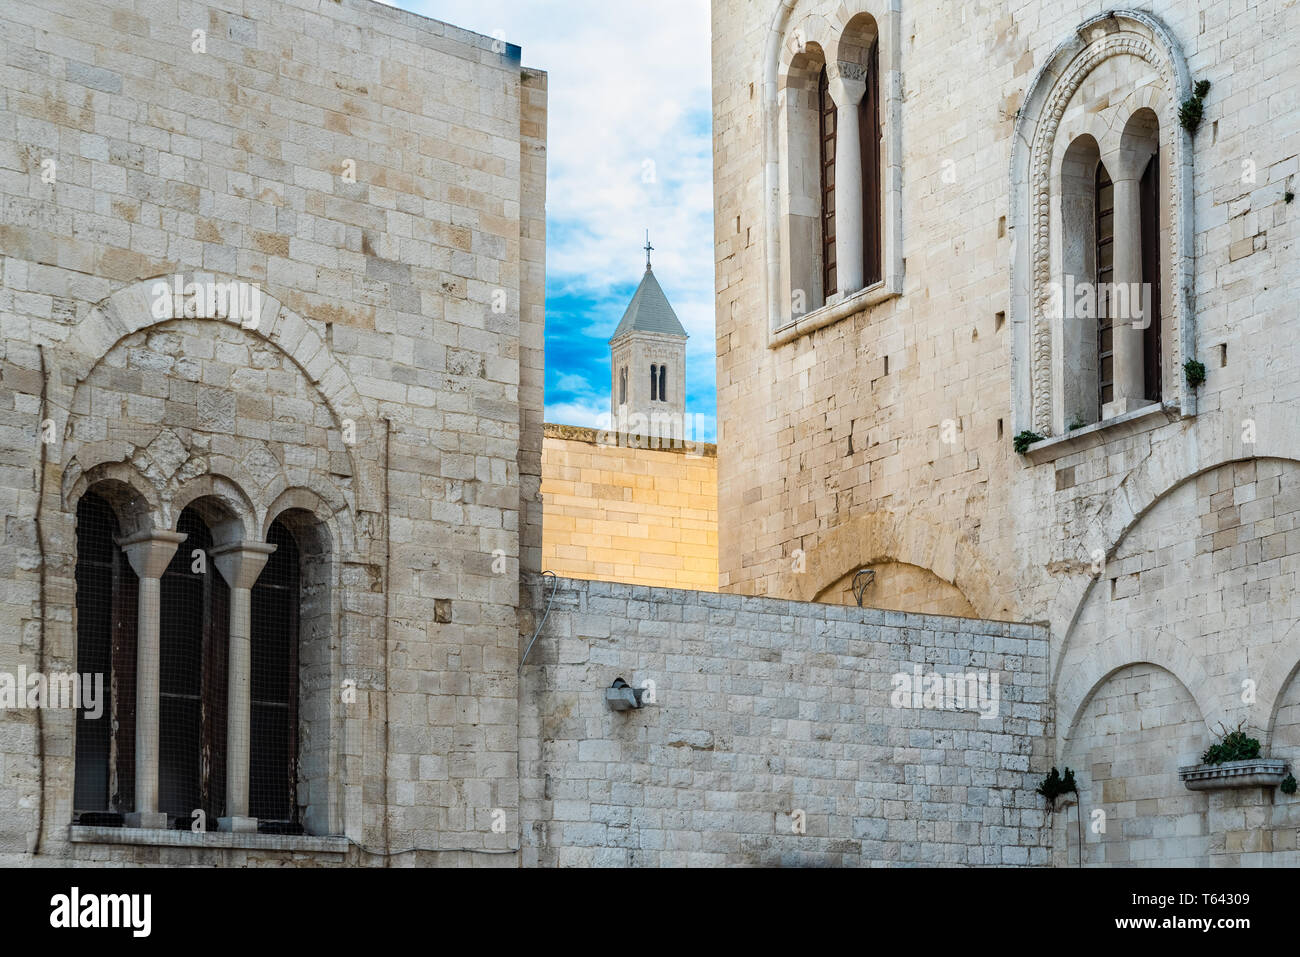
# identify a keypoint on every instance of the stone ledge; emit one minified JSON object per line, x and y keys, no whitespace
{"x":833,"y":312}
{"x":1099,"y":433}
{"x":609,"y":439}
{"x":1256,"y":772}
{"x":206,"y":840}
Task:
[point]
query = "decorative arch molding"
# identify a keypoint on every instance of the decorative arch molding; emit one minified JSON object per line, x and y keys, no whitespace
{"x":1203,"y":445}
{"x":1117,"y":33}
{"x":225,"y":506}
{"x":130,"y":309}
{"x":225,"y":480}
{"x":326,"y":505}
{"x":888,"y":536}
{"x":1094,"y":670}
{"x":134,"y":500}
{"x":1273,"y":682}
{"x":789,"y":30}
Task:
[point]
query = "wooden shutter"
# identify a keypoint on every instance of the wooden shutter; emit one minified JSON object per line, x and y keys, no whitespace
{"x":872,"y":193}
{"x":826,"y":137}
{"x":1149,"y":198}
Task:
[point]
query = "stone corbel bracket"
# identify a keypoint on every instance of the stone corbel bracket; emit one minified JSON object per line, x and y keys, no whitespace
{"x":1255,"y":772}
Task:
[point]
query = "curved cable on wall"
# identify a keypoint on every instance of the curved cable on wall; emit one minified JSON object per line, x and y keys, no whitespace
{"x":554,"y":588}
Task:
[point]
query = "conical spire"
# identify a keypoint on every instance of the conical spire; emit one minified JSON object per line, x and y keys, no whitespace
{"x":649,"y":310}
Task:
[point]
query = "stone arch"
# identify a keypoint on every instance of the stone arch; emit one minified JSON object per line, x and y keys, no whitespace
{"x":131,"y":309}
{"x":1210,"y":442}
{"x":1281,"y":670}
{"x":328,"y":508}
{"x":134,"y":500}
{"x":889,"y":536}
{"x":1095,"y":40}
{"x":1132,"y":503}
{"x":1093,"y":669}
{"x":223,"y":504}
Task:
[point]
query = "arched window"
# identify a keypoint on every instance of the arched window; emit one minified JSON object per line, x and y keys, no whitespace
{"x":833,"y":224}
{"x":663,"y":383}
{"x":654,"y":383}
{"x":622,"y":386}
{"x":1101,"y":183}
{"x":104,"y":777}
{"x":194,"y":649}
{"x":273,"y":765}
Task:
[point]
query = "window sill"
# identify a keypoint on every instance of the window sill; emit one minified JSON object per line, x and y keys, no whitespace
{"x":206,"y":840}
{"x":1099,"y":433}
{"x":833,"y":312}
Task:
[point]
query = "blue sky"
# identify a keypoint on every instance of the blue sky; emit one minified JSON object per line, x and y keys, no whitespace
{"x":629,"y":148}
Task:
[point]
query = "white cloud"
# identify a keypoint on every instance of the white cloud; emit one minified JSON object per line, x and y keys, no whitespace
{"x":629,"y":95}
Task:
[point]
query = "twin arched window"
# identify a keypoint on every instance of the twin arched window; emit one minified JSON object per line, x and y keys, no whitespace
{"x":1101,"y":228}
{"x":193,"y":677}
{"x":1107,"y":300}
{"x":658,"y":383}
{"x":828,"y":213}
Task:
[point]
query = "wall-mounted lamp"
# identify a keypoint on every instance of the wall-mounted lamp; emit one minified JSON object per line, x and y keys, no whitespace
{"x":621,"y":696}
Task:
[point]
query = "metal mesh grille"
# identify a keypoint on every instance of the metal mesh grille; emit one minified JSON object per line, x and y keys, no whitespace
{"x":104,"y":777}
{"x":195,"y":611}
{"x":274,"y":716}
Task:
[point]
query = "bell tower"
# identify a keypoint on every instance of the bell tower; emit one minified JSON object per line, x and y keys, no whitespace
{"x":648,"y":364}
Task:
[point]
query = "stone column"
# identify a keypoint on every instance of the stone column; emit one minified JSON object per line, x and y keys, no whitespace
{"x":239,"y":563}
{"x":848,"y":84}
{"x":1126,"y":324}
{"x":149,"y":553}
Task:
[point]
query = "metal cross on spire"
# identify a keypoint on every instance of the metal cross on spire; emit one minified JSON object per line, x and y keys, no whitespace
{"x":648,"y":248}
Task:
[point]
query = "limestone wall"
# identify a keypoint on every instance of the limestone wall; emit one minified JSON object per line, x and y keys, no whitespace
{"x":763,"y":708}
{"x":379,"y":179}
{"x":887,"y":434}
{"x":614,"y":512}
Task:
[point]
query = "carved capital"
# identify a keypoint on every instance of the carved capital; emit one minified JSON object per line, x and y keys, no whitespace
{"x":241,"y":562}
{"x":150,"y":551}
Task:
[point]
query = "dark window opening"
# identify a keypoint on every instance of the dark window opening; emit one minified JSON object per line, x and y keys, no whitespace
{"x":663,"y":383}
{"x":826,"y":138}
{"x":273,"y":770}
{"x":195,"y":630}
{"x":104,"y":766}
{"x":869,"y":137}
{"x":1149,"y":199}
{"x":622,"y":386}
{"x":1105,"y":253}
{"x":654,"y":383}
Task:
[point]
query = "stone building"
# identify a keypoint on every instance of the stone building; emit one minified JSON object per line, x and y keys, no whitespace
{"x":272,"y":369}
{"x":945,"y":230}
{"x":271,"y":356}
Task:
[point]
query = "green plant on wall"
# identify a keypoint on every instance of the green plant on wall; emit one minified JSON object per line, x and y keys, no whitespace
{"x":1288,"y":784}
{"x":1024,"y":440}
{"x":1194,"y":370}
{"x":1193,"y":108}
{"x":1056,"y":784}
{"x":1233,"y":745}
